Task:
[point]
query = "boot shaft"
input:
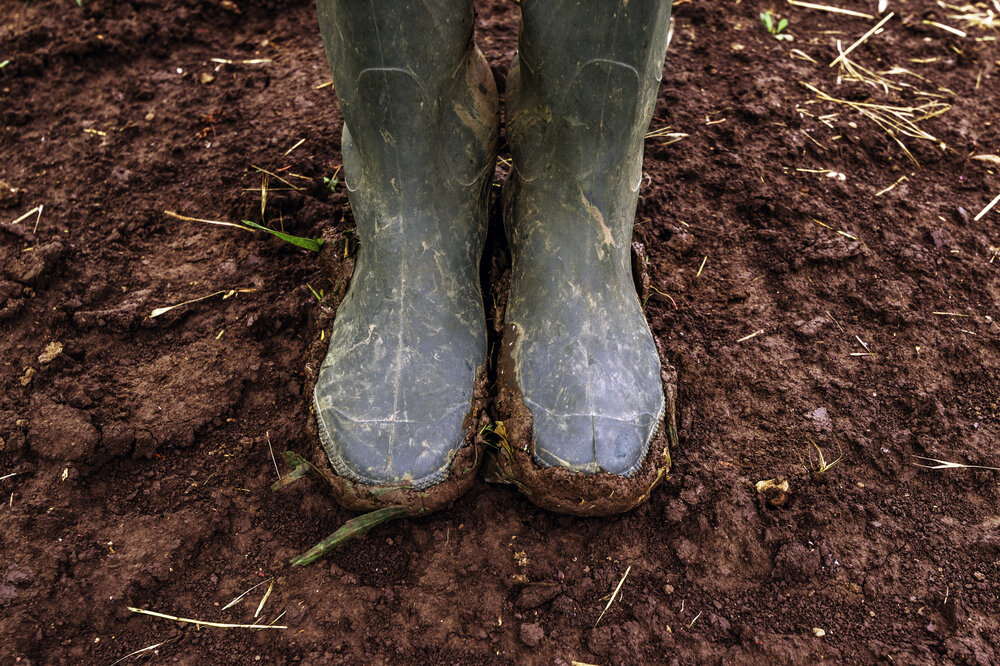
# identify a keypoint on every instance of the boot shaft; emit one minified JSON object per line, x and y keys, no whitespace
{"x":583,"y":88}
{"x":421,"y":120}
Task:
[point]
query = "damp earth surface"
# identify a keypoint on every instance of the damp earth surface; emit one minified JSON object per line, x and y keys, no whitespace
{"x":819,"y":274}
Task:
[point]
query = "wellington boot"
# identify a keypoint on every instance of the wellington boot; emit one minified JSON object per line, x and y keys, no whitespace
{"x":396,"y":397}
{"x":582,"y":394}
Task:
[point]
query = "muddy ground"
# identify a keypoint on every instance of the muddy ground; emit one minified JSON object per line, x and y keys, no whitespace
{"x":800,"y":298}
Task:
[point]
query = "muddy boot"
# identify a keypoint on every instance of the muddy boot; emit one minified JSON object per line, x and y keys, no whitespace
{"x":582,"y":395}
{"x":395,"y":395}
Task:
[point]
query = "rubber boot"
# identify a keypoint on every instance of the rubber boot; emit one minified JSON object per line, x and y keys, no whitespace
{"x":395,"y":394}
{"x":582,"y":395}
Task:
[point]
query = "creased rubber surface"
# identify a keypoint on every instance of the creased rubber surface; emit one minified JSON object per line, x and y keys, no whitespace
{"x":360,"y":496}
{"x":578,"y":353}
{"x":560,"y":490}
{"x":419,"y":143}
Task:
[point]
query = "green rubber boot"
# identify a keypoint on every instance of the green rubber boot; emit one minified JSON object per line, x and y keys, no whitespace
{"x":394,"y":396}
{"x":581,"y":389}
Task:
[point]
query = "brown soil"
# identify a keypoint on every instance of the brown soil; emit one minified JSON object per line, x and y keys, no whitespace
{"x":141,"y":447}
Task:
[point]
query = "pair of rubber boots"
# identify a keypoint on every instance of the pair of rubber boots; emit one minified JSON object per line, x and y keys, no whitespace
{"x":399,"y":398}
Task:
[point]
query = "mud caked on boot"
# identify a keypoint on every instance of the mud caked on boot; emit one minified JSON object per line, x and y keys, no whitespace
{"x":396,"y":396}
{"x":581,"y":391}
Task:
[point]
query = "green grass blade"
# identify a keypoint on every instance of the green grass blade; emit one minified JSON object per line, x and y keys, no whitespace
{"x":300,"y":467}
{"x":293,"y":476}
{"x":313,"y":244}
{"x":352,"y":528}
{"x":293,"y":460}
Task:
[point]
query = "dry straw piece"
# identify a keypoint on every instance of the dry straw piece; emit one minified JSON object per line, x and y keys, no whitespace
{"x":140,"y":651}
{"x":614,"y":595}
{"x":975,"y":16}
{"x":944,"y":464}
{"x":897,"y":118}
{"x":894,"y":120}
{"x":828,"y":8}
{"x":228,"y":293}
{"x":864,"y":38}
{"x":988,"y":208}
{"x":206,"y":623}
{"x":220,"y":223}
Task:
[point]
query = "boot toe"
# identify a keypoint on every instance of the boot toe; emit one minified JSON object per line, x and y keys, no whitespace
{"x":592,"y":443}
{"x":394,"y":452}
{"x":620,"y":446}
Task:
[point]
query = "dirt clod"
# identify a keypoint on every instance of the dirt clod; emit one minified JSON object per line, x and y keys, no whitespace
{"x":532,"y":634}
{"x":773,"y":492}
{"x":534,"y":596}
{"x":795,"y":561}
{"x":600,"y":640}
{"x":60,"y":432}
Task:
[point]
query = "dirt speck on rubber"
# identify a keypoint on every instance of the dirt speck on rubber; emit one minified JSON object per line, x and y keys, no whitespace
{"x":140,"y":451}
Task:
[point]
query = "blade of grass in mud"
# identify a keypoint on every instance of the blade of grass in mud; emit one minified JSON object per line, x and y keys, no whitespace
{"x":300,"y":467}
{"x":352,"y":528}
{"x":297,"y":473}
{"x":313,"y":244}
{"x":293,"y":460}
